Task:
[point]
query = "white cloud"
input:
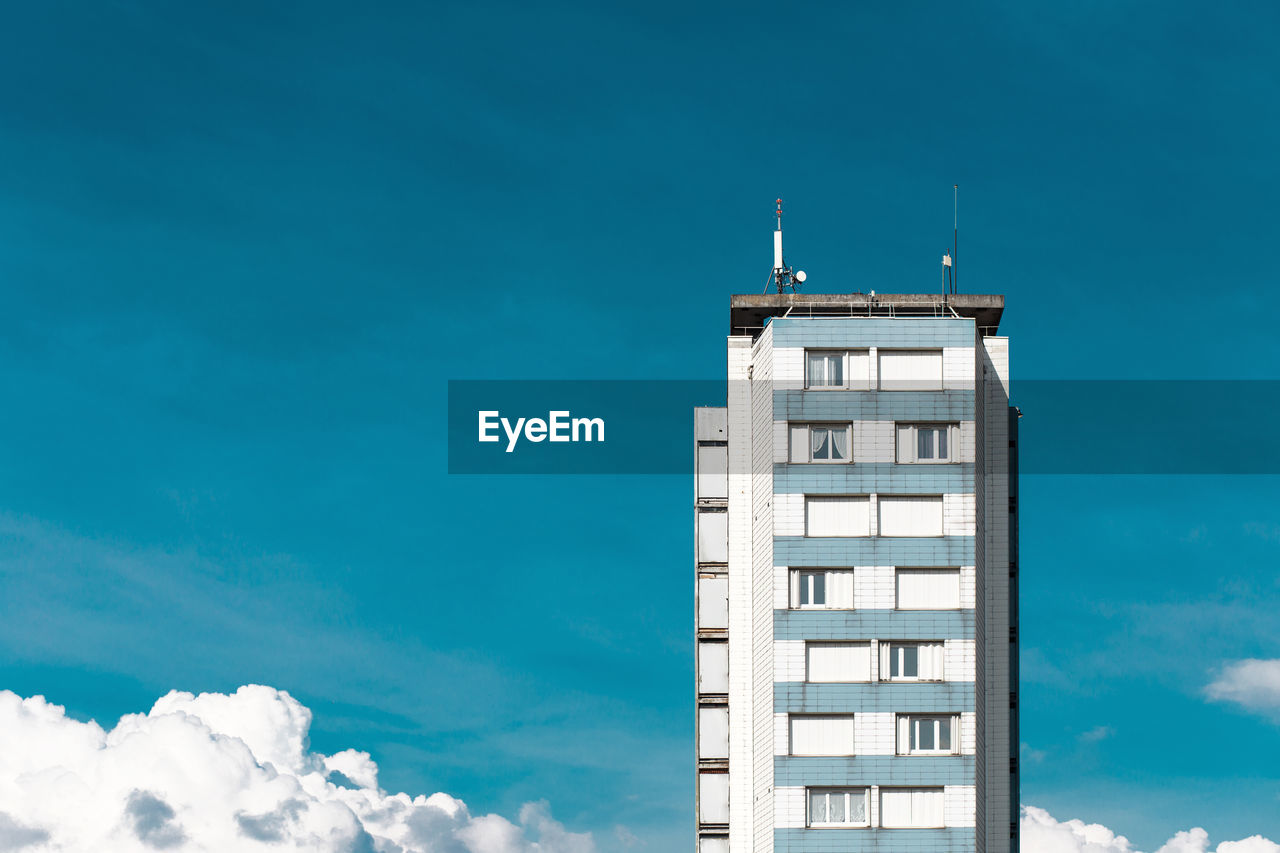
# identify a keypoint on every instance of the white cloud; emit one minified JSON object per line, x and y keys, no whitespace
{"x":1097,"y":734}
{"x":1042,"y":833}
{"x":219,"y":772}
{"x":1252,"y":683}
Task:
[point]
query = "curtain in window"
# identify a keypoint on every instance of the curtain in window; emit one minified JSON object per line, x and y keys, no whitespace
{"x":820,"y":442}
{"x":826,"y":369}
{"x":928,"y":589}
{"x":840,"y":440}
{"x":910,"y":516}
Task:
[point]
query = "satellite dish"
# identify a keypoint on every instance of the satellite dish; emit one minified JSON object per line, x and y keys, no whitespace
{"x":800,"y":276}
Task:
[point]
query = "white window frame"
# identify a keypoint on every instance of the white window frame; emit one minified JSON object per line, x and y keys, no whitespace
{"x":909,"y":454}
{"x":937,"y":790}
{"x":803,"y":576}
{"x":799,"y":437}
{"x":927,"y":570}
{"x":846,"y":356}
{"x":849,"y":794}
{"x":897,"y":648}
{"x":863,"y":647}
{"x":908,"y":726}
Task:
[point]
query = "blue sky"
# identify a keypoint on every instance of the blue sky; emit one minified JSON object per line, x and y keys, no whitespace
{"x":246,"y":247}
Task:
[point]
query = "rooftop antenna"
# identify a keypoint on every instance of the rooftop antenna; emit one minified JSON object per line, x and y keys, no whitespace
{"x":955,"y":233}
{"x":782,"y":275}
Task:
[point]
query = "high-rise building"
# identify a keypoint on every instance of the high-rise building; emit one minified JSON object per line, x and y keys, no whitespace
{"x":856,"y":615}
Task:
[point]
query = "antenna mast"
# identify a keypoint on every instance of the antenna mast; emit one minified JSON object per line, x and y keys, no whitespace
{"x":782,"y":275}
{"x":955,"y":233}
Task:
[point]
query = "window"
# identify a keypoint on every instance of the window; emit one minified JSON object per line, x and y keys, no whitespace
{"x":830,"y":589}
{"x":928,"y":734}
{"x":911,"y":807}
{"x":837,"y":662}
{"x":849,"y":369}
{"x":838,"y":807}
{"x":837,"y":516}
{"x":928,"y":589}
{"x":911,"y":661}
{"x":910,"y":370}
{"x":916,"y":515}
{"x":820,"y":443}
{"x":825,"y":735}
{"x":928,"y":444}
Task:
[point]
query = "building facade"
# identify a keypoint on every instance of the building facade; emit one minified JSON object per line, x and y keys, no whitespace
{"x":856,"y":594}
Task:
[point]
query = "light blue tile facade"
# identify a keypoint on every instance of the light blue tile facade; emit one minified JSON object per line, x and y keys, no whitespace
{"x":843,"y":332}
{"x":900,"y":770}
{"x":872,"y":551}
{"x":796,"y":404}
{"x":873,"y":624}
{"x":803,"y":698}
{"x":880,"y":477}
{"x":949,"y":840}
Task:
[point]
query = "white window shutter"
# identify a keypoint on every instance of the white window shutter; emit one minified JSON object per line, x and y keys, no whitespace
{"x":885,"y":651}
{"x":895,"y":808}
{"x":928,"y":589}
{"x":906,"y":443}
{"x":799,"y":443}
{"x":904,"y":734}
{"x":859,"y":370}
{"x":840,"y":590}
{"x":910,"y":370}
{"x":910,"y":515}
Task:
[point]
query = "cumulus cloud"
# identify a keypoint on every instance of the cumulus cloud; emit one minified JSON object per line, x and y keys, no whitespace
{"x":1252,"y":683}
{"x":219,"y":772}
{"x":1042,"y":833}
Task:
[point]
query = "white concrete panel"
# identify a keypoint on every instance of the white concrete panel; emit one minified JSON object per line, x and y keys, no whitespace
{"x":957,"y":368}
{"x":874,"y":733}
{"x":960,"y":660}
{"x":789,"y":660}
{"x":713,"y":472}
{"x":713,"y":537}
{"x":713,"y":603}
{"x":788,"y":515}
{"x":713,"y":732}
{"x":959,"y":805}
{"x":713,"y":666}
{"x":959,"y":515}
{"x":789,"y":807}
{"x":713,"y":797}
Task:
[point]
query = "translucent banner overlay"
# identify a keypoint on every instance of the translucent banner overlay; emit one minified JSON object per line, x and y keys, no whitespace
{"x":1068,"y":426}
